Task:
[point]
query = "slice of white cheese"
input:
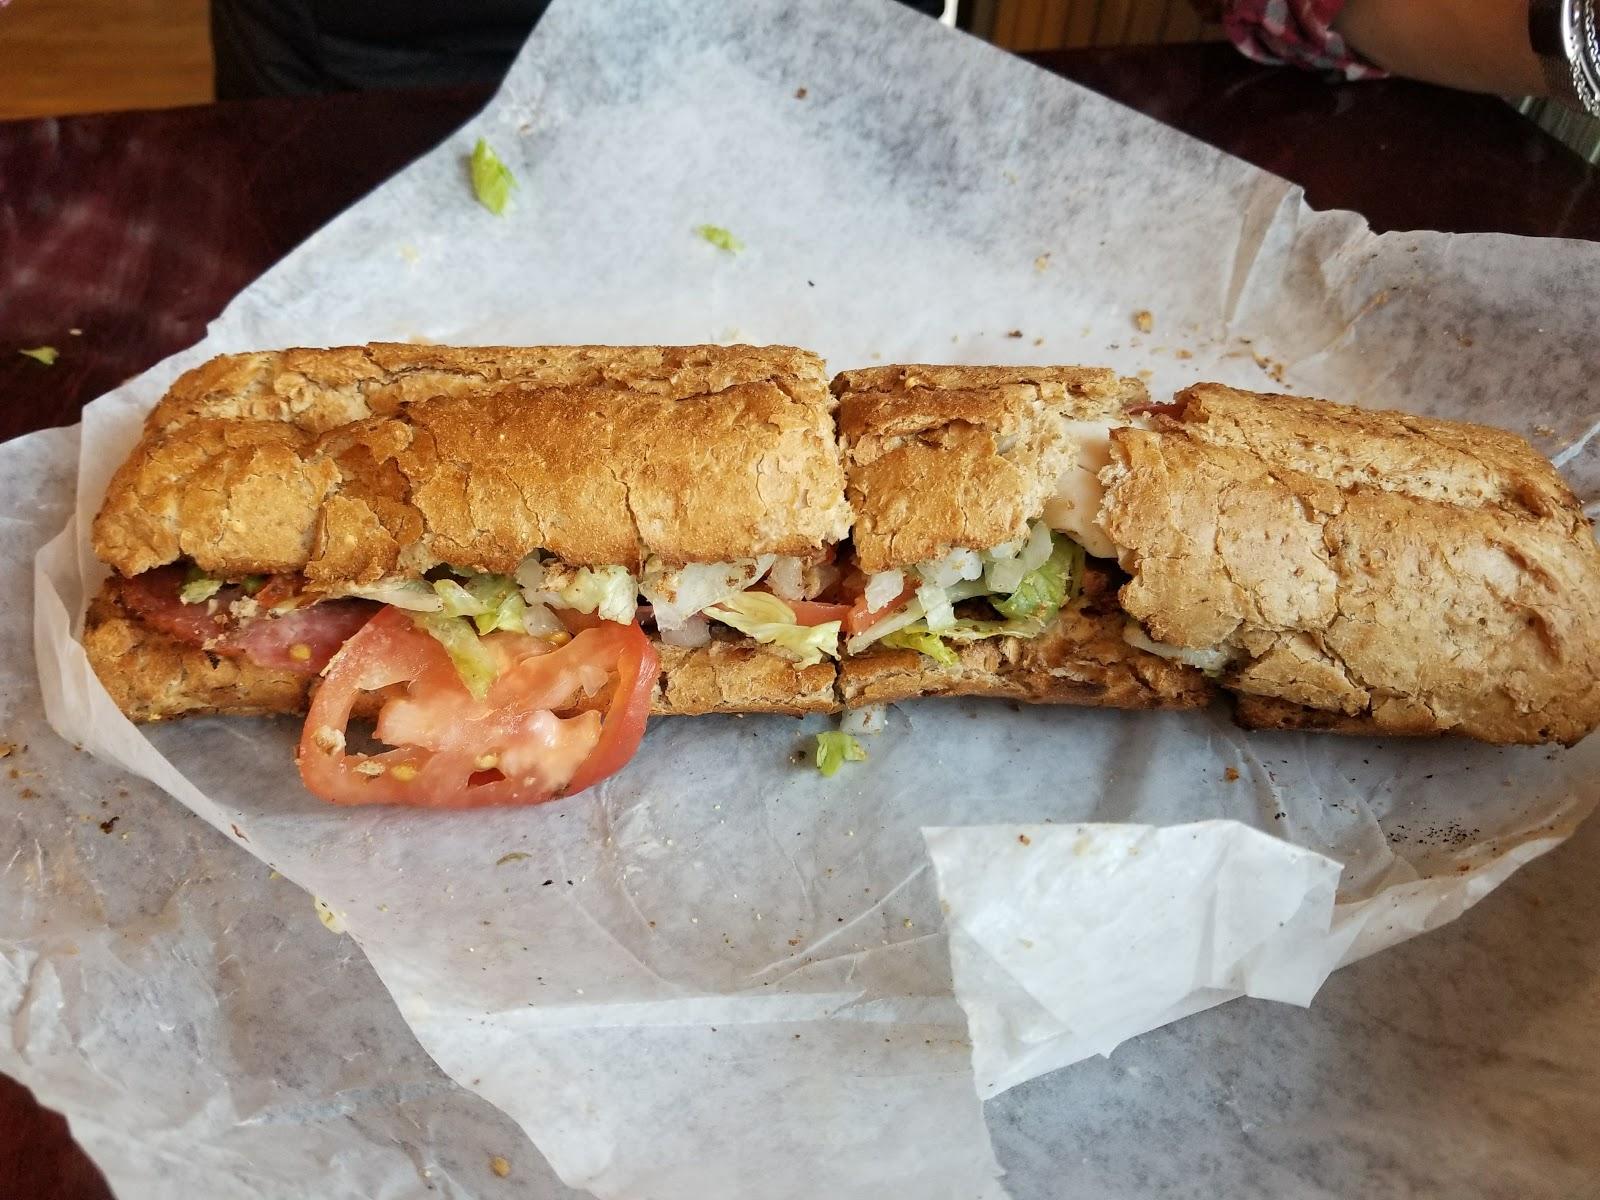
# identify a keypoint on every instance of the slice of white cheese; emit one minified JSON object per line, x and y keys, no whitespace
{"x":1074,"y":509}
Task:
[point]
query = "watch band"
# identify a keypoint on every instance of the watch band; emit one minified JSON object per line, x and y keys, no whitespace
{"x":1565,"y":34}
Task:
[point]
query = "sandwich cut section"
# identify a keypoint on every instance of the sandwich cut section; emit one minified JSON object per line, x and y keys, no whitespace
{"x":452,"y":539}
{"x":979,"y":561}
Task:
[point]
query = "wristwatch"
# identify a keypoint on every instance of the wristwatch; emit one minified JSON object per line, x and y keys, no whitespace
{"x":1566,"y":37}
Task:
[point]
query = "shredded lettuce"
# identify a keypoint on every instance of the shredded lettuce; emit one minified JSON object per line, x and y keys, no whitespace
{"x":42,"y":354}
{"x":767,"y":619}
{"x":198,"y":587}
{"x":472,"y":659}
{"x":834,"y":749}
{"x":492,"y":180}
{"x":253,"y":584}
{"x":492,"y":601}
{"x":414,"y":595}
{"x":720,"y":238}
{"x":510,"y":614}
{"x":1047,"y":587}
{"x":456,"y":601}
{"x":612,"y":592}
{"x":930,"y":644}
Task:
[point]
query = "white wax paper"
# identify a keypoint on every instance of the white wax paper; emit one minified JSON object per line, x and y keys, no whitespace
{"x":718,"y":973}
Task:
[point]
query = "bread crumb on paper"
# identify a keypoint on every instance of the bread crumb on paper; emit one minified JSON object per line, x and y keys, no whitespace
{"x":1144,"y":320}
{"x":1181,"y":353}
{"x":800,"y":93}
{"x":500,"y":1165}
{"x":1273,"y":368}
{"x":1231,"y":774}
{"x":1042,"y":263}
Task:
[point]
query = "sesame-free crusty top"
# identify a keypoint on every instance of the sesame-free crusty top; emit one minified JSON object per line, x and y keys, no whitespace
{"x":1420,"y":575}
{"x":361,"y":462}
{"x":939,"y":457}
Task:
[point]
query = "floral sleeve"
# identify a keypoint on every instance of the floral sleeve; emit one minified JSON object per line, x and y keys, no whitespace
{"x":1297,"y":32}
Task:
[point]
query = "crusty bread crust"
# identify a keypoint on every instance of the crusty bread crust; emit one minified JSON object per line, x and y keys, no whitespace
{"x":1417,"y":575}
{"x":153,"y":677}
{"x":939,"y":457}
{"x":356,"y":463}
{"x":1267,"y":713}
{"x":1080,"y":659}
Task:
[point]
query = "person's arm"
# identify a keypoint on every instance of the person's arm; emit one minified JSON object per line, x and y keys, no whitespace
{"x":1477,"y":45}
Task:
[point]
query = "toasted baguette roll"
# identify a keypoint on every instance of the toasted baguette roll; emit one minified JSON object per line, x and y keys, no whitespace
{"x":945,"y":457}
{"x":153,"y":677}
{"x":1405,"y":575}
{"x":353,"y":464}
{"x":1080,"y":658}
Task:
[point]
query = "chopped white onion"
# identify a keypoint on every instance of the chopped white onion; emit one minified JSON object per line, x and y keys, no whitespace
{"x":1005,"y":575}
{"x":936,"y":606}
{"x":884,"y":588}
{"x":538,"y":620}
{"x":678,"y":594}
{"x":696,"y":631}
{"x":787,"y":578}
{"x":530,"y":574}
{"x":959,"y":564}
{"x":871,"y":719}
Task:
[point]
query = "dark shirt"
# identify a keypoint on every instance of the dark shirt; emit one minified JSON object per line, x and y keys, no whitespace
{"x":294,"y":47}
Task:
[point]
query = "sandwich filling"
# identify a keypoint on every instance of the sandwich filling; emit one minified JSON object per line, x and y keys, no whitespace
{"x":489,"y":688}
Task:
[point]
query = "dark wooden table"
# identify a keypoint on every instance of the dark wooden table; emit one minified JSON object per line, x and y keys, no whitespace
{"x":135,"y":229}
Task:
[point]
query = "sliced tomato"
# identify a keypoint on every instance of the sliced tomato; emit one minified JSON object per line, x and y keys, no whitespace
{"x":815,"y":612}
{"x":860,"y":617}
{"x":576,"y":622}
{"x":544,"y":729}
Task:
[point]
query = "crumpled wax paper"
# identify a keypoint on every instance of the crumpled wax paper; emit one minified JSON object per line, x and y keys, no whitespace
{"x":718,"y":973}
